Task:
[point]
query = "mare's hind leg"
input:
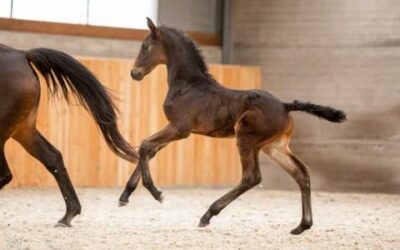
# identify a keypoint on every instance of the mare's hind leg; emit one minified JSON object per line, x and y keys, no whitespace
{"x":282,"y":155}
{"x":36,"y":145}
{"x":148,"y":149}
{"x":5,"y":173}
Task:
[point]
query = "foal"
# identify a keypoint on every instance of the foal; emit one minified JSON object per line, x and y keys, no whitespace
{"x":196,"y":103}
{"x":19,"y":101}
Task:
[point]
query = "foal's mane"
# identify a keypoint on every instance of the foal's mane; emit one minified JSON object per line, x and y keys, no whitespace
{"x":174,"y":38}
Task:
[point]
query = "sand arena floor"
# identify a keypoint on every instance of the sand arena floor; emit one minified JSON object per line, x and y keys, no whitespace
{"x":258,"y":220}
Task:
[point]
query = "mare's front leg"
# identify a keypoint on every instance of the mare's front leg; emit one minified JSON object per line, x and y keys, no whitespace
{"x":5,"y":173}
{"x":148,"y":149}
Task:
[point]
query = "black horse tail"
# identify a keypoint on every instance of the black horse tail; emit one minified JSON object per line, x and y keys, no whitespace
{"x":64,"y":73}
{"x":324,"y":112}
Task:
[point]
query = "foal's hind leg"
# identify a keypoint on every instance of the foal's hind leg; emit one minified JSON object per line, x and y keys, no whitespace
{"x":130,"y":186}
{"x":281,"y":154}
{"x":5,"y":173}
{"x":41,"y":149}
{"x":149,"y":147}
{"x":251,"y":176}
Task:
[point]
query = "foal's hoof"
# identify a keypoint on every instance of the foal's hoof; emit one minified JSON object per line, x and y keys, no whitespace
{"x":301,"y":228}
{"x":203,"y":224}
{"x":62,"y":224}
{"x":123,"y":203}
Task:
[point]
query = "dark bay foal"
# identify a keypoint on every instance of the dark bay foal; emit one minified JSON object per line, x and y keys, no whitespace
{"x":198,"y":104}
{"x":19,"y":101}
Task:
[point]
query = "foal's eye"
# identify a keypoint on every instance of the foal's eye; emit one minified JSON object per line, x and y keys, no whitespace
{"x":145,"y":47}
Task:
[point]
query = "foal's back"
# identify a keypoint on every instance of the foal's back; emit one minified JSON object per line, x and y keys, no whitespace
{"x":216,"y":109}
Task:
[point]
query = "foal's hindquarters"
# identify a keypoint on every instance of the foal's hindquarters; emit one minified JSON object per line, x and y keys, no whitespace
{"x":20,"y":96}
{"x":265,"y":126}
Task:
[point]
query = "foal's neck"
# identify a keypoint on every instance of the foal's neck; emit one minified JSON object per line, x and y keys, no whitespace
{"x":185,"y":66}
{"x":180,"y":70}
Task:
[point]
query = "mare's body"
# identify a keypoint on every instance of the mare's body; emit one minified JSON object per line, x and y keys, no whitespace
{"x":19,"y":102}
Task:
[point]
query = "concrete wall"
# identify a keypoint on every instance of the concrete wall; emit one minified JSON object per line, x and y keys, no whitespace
{"x":343,"y":53}
{"x":192,"y":15}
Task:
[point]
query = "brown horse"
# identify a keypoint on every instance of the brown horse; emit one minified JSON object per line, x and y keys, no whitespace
{"x":196,"y":103}
{"x":19,"y":101}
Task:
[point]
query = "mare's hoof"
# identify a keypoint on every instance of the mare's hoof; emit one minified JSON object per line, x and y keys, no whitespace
{"x":123,"y":203}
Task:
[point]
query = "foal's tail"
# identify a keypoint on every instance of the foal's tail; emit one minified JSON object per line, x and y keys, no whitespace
{"x":324,"y":112}
{"x":64,"y":73}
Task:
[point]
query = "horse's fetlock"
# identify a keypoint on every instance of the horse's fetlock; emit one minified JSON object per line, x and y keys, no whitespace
{"x":147,"y":184}
{"x":214,"y":209}
{"x":4,"y":180}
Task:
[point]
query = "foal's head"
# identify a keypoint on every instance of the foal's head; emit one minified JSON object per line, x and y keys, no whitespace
{"x":151,"y":54}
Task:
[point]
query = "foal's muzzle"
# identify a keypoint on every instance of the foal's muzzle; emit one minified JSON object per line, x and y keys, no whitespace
{"x":137,"y":74}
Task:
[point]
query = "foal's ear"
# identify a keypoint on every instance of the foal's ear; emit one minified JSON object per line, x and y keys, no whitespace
{"x":155,"y":32}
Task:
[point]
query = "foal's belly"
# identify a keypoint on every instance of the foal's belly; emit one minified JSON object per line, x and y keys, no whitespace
{"x":218,"y":133}
{"x":214,"y":126}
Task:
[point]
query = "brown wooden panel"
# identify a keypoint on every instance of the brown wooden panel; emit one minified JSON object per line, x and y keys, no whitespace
{"x":197,"y":160}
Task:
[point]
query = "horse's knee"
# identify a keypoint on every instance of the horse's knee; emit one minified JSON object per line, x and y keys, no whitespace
{"x":252,"y":180}
{"x":145,"y":148}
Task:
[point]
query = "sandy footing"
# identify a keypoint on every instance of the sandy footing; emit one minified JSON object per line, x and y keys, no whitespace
{"x":258,"y":220}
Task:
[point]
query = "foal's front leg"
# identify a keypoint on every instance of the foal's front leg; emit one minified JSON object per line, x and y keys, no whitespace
{"x":149,"y":147}
{"x":251,"y":177}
